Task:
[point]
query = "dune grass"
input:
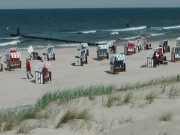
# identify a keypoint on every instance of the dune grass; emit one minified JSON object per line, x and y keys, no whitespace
{"x":15,"y":117}
{"x":166,"y":117}
{"x":73,"y":114}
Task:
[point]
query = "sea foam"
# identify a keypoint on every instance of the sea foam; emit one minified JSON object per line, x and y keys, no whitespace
{"x":10,"y":43}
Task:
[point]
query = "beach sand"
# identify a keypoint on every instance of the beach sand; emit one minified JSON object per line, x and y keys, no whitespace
{"x":16,"y":90}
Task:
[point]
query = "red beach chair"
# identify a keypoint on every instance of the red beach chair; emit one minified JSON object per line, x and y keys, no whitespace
{"x":13,"y":59}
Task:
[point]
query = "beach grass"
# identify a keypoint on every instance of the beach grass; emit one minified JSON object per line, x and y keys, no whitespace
{"x":73,"y":114}
{"x":15,"y":117}
{"x":166,"y":117}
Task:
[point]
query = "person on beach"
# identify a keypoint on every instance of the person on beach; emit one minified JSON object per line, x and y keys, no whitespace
{"x":28,"y":69}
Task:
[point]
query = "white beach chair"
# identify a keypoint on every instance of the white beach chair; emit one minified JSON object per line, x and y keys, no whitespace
{"x":112,"y":47}
{"x":165,"y":45}
{"x":83,"y":46}
{"x":81,"y":57}
{"x":1,"y":65}
{"x":175,"y":54}
{"x":102,"y":52}
{"x":33,"y":55}
{"x":49,"y":53}
{"x":178,"y":41}
{"x":117,"y":63}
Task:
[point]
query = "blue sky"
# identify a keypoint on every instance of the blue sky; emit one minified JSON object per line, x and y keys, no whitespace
{"x":11,"y":4}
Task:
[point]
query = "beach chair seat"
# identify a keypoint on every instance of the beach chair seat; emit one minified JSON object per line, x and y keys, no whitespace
{"x":117,"y":64}
{"x":175,"y":54}
{"x":102,"y":52}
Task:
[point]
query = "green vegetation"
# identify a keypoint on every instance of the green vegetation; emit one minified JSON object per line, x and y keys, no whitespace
{"x":166,"y":117}
{"x":150,"y":97}
{"x":15,"y":117}
{"x":72,"y":115}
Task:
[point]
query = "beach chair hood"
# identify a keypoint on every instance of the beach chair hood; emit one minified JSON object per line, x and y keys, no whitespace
{"x":30,"y":49}
{"x":110,"y":43}
{"x":120,"y":57}
{"x":42,"y":65}
{"x":101,"y":47}
{"x":82,"y":46}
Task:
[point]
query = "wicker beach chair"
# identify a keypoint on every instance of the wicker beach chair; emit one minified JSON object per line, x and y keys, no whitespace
{"x":81,"y":57}
{"x":156,"y":57}
{"x":117,"y":63}
{"x":112,"y":47}
{"x":165,"y":46}
{"x":130,"y":48}
{"x":42,"y":75}
{"x":1,"y":65}
{"x":102,"y":52}
{"x":144,"y":44}
{"x":49,"y":53}
{"x":33,"y":55}
{"x":178,"y":41}
{"x":83,"y":46}
{"x":175,"y":54}
{"x":13,"y":59}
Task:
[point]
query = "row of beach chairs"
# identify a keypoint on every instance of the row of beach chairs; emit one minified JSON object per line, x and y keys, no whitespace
{"x":42,"y":75}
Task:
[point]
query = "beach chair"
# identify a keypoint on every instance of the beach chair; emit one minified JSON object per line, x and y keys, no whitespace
{"x":164,"y":45}
{"x":13,"y":59}
{"x":178,"y":41}
{"x":175,"y":54}
{"x":42,"y":75}
{"x":130,"y":48}
{"x":102,"y":52}
{"x":156,"y":57}
{"x":81,"y":57}
{"x":83,"y":46}
{"x":49,"y":53}
{"x":117,"y":63}
{"x":112,"y":47}
{"x":33,"y":55}
{"x":138,"y":44}
{"x":1,"y":65}
{"x":144,"y":44}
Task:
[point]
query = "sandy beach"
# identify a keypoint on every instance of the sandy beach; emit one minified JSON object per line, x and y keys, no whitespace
{"x":16,"y":90}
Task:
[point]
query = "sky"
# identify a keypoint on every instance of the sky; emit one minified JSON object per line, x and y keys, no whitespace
{"x":24,"y":4}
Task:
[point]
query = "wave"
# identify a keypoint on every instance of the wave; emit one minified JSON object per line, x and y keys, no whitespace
{"x":129,"y":38}
{"x":129,"y":29}
{"x":105,"y":42}
{"x":68,"y":45}
{"x":10,"y":38}
{"x":114,"y":33}
{"x":172,"y":27}
{"x":157,"y":34}
{"x":87,"y":32}
{"x":10,"y":43}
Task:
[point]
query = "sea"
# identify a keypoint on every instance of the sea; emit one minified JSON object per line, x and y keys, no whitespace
{"x":96,"y":25}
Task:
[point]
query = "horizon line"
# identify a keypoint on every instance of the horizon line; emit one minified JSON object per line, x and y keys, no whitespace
{"x":90,"y":8}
